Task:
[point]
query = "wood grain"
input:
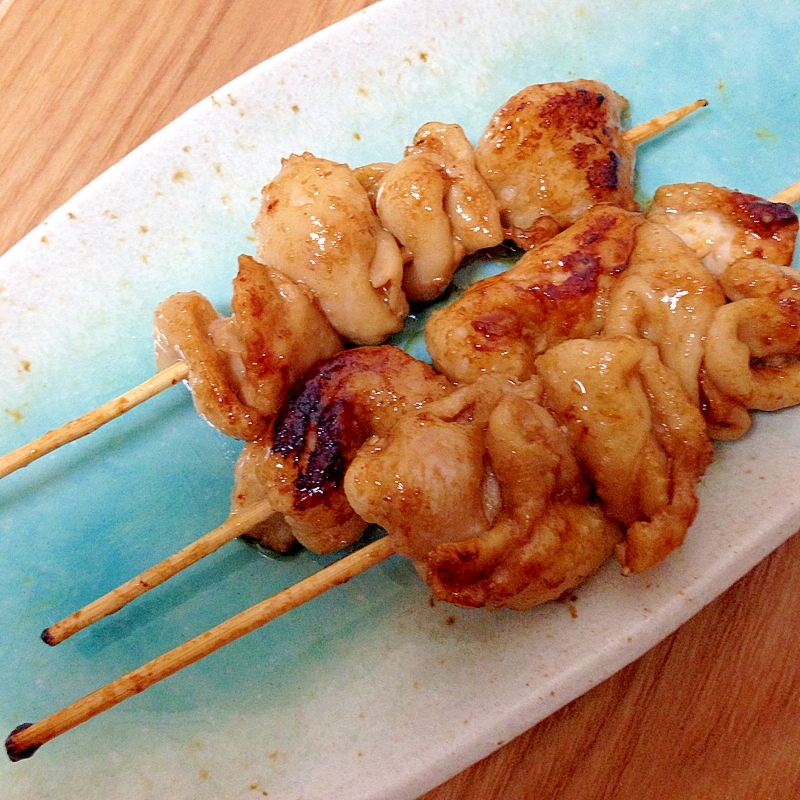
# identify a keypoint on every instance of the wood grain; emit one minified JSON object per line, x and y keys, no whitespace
{"x":82,"y":82}
{"x":713,"y":712}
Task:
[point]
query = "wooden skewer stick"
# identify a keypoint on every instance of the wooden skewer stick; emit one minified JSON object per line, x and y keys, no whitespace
{"x":179,"y":371}
{"x":234,"y":526}
{"x":26,"y":739}
{"x":90,"y":422}
{"x":791,"y":194}
{"x":652,"y":127}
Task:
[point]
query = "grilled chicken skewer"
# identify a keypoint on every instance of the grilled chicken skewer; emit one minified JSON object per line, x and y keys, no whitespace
{"x":179,"y":371}
{"x":530,"y":494}
{"x":286,"y":487}
{"x":328,"y":531}
{"x":461,"y":411}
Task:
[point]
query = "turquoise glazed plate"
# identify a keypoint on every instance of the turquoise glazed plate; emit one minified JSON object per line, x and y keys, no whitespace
{"x":370,"y":691}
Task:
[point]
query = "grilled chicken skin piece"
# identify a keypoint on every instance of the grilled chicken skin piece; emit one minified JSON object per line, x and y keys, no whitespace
{"x":722,"y":225}
{"x":753,"y":349}
{"x":668,"y":297}
{"x":316,"y":225}
{"x":438,"y":207}
{"x":640,"y":440}
{"x":482,"y":492}
{"x":553,"y":151}
{"x":556,"y":292}
{"x":300,"y":466}
{"x":242,"y":367}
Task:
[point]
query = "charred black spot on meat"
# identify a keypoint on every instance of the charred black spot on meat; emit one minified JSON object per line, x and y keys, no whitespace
{"x":293,"y":420}
{"x":304,"y":407}
{"x":331,"y":412}
{"x":604,"y":173}
{"x":327,"y":461}
{"x":314,"y":431}
{"x":768,"y":217}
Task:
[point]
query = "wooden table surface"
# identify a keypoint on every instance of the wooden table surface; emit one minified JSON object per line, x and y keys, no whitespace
{"x":712,"y":712}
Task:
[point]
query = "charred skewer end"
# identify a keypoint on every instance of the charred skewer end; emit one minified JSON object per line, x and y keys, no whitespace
{"x":13,"y":750}
{"x":48,"y":638}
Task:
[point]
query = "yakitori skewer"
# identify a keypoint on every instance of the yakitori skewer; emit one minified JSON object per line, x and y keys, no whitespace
{"x":647,"y":130}
{"x":80,"y":427}
{"x":26,"y":739}
{"x":235,"y":526}
{"x":790,"y":195}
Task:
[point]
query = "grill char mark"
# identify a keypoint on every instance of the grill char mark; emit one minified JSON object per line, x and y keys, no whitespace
{"x":767,"y":218}
{"x":329,"y":414}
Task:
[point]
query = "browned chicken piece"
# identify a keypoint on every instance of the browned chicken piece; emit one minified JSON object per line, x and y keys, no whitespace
{"x":299,"y":468}
{"x":470,"y":204}
{"x":668,"y":297}
{"x":753,"y":348}
{"x":425,"y":478}
{"x":556,"y":292}
{"x":755,"y":277}
{"x":722,"y":225}
{"x":242,"y":367}
{"x":316,"y":225}
{"x":438,"y":207}
{"x":482,"y":492}
{"x":638,"y":437}
{"x":553,"y":151}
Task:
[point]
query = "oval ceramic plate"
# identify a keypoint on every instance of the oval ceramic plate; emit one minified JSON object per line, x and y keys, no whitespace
{"x":371,"y":691}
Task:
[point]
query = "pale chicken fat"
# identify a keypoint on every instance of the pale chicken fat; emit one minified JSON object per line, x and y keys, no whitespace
{"x":316,"y":226}
{"x":668,"y":297}
{"x":636,"y":433}
{"x":722,"y":225}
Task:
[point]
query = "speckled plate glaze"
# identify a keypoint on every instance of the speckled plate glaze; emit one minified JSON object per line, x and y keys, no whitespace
{"x":369,"y":692}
